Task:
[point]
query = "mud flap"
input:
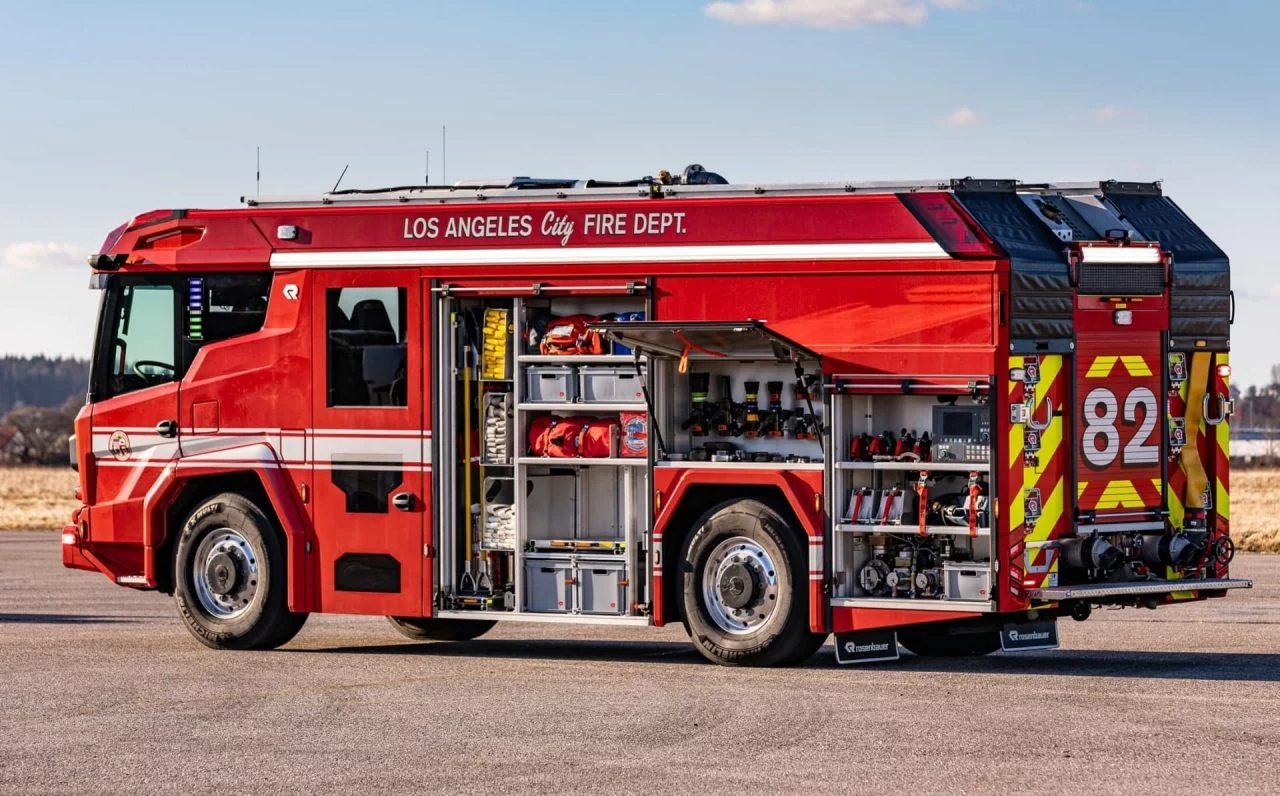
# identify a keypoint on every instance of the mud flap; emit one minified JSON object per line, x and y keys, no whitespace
{"x":1027,"y":636}
{"x":867,"y":646}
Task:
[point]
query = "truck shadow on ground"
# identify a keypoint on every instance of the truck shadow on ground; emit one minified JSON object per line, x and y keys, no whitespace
{"x":64,"y":619}
{"x":1209,"y":666}
{"x":1135,"y":664}
{"x":543,"y":649}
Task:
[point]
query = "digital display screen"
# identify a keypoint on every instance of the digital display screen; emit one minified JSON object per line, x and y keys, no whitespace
{"x":958,"y":424}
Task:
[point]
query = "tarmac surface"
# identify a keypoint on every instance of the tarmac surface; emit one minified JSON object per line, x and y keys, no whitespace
{"x":102,"y":689}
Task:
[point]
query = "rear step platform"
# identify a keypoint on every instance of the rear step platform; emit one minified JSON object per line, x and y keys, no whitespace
{"x":1094,"y":591}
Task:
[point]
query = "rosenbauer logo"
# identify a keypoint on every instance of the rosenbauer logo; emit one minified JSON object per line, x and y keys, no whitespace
{"x":1035,"y":635}
{"x":861,"y":649}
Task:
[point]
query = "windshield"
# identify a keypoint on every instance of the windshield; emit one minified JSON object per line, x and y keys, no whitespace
{"x":140,"y":345}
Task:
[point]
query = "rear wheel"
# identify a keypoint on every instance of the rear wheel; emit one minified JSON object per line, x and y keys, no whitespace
{"x":230,"y":577}
{"x":441,"y":629}
{"x":744,"y":579}
{"x":933,"y":641}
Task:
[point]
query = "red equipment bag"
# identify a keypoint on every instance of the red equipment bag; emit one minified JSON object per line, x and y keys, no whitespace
{"x":570,"y":335}
{"x":540,"y":432}
{"x":571,"y":437}
{"x":597,"y":440}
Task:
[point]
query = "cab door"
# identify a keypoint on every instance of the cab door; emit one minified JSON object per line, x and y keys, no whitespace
{"x":137,"y":369}
{"x":368,"y":448}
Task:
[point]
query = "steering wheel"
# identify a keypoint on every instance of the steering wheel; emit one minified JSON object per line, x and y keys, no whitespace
{"x":170,"y":370}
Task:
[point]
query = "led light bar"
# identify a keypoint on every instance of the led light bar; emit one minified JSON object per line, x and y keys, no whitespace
{"x":1120,"y":254}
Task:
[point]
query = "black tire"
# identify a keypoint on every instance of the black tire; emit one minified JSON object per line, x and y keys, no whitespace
{"x":782,"y":637}
{"x":944,"y":641}
{"x":264,"y":620}
{"x":441,"y":629}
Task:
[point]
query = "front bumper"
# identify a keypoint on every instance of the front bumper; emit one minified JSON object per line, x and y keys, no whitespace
{"x":73,"y":556}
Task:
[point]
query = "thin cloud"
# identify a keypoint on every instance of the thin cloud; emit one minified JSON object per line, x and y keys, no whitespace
{"x":962,"y":117}
{"x":833,"y":14}
{"x":1105,"y":113}
{"x":41,"y":256}
{"x":1270,"y":293}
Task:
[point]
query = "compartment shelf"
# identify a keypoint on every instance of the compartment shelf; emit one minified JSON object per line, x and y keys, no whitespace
{"x":552,"y":461}
{"x":933,"y":467}
{"x":577,"y":359}
{"x":932,"y":530}
{"x":582,"y":407}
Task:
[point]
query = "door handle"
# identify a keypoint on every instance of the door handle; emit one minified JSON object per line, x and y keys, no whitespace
{"x":167,"y":428}
{"x":404,"y":501}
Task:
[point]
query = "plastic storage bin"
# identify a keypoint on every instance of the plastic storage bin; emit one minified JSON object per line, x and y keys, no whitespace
{"x":548,"y":584}
{"x":551,"y":384}
{"x":610,"y":385}
{"x":967,"y":581}
{"x":602,"y":587}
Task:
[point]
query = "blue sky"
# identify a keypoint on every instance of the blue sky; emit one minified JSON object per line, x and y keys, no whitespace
{"x":110,"y":109}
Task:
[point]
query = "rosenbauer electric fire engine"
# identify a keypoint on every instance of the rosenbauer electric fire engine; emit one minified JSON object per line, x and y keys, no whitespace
{"x":940,"y":415}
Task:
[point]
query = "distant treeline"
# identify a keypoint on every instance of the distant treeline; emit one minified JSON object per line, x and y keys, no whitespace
{"x":42,"y":381}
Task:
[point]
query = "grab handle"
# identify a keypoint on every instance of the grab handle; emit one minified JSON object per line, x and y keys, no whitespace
{"x":1223,"y":409}
{"x":1048,"y":415}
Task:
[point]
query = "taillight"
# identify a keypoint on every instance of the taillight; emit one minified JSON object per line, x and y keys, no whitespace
{"x":954,"y":231}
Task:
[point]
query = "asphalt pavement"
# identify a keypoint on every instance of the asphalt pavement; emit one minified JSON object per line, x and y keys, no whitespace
{"x":103,"y":690}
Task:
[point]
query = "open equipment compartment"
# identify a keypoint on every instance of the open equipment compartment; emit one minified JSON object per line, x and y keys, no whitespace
{"x":912,"y":492}
{"x":740,"y":394}
{"x":546,"y":495}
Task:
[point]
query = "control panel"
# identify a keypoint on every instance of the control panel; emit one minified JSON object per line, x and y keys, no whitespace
{"x":961,"y":434}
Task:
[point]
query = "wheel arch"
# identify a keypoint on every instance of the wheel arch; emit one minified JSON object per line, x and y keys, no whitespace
{"x":183,"y":486}
{"x":691,"y":497}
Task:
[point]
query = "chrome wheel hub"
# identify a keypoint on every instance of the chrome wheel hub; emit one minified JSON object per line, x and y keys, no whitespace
{"x":739,"y":585}
{"x":225,"y":573}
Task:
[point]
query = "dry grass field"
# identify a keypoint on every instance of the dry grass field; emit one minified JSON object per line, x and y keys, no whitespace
{"x":37,"y":498}
{"x":1255,"y":522}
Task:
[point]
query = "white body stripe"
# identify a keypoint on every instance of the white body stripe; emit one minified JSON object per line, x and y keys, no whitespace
{"x":610,"y":254}
{"x":381,"y":450}
{"x":815,"y":558}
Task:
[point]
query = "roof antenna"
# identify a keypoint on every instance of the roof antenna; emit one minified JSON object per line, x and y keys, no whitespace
{"x":444,"y":155}
{"x":340,"y":176}
{"x":426,"y":170}
{"x":257,"y":178}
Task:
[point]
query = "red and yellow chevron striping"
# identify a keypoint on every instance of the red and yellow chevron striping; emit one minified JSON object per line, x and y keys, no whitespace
{"x":1036,"y":471}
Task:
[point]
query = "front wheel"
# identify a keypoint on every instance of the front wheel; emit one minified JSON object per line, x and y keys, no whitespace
{"x":745,"y":592}
{"x":229,"y":581}
{"x":441,"y":629}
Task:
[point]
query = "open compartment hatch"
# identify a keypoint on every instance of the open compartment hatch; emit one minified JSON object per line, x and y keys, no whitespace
{"x":743,"y":340}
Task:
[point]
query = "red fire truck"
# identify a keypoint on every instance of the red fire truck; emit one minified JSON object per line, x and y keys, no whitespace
{"x":937,"y":415}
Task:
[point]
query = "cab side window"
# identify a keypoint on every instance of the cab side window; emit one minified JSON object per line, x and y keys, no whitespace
{"x":367,"y":355}
{"x":222,"y":306}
